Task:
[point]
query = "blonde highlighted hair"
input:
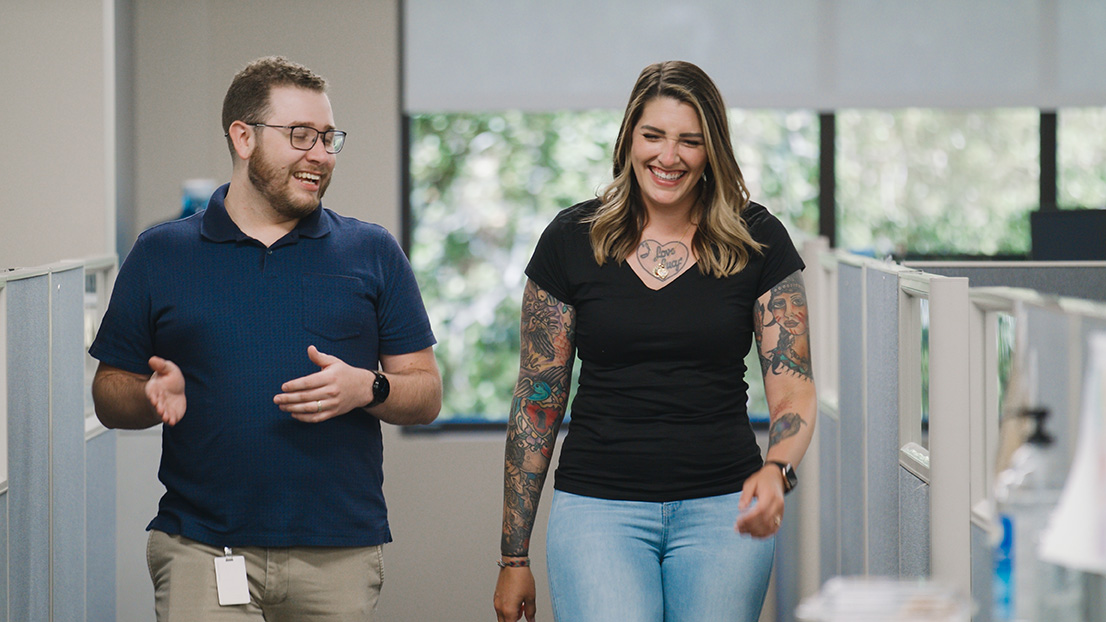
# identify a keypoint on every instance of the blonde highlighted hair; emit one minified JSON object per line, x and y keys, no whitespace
{"x":722,"y":242}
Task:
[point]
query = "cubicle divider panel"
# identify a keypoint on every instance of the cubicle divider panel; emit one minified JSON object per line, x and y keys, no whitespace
{"x":100,"y":458}
{"x":4,"y":532}
{"x":829,"y":499}
{"x":789,"y":559}
{"x":913,"y":533}
{"x":67,"y":444}
{"x":949,"y":432}
{"x":1052,"y":377}
{"x":28,"y":338}
{"x":881,"y":347}
{"x":1088,"y":327}
{"x":982,"y":573}
{"x":851,"y":403}
{"x":5,"y":575}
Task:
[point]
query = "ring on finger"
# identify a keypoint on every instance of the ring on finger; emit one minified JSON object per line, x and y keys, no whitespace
{"x":319,"y":407}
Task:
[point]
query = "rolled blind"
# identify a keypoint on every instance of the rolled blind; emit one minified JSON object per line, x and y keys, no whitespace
{"x":820,"y":54}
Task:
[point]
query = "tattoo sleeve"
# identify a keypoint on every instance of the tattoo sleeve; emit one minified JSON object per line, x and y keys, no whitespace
{"x":547,"y":333}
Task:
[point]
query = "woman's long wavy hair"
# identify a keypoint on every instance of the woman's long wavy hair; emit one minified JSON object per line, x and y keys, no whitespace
{"x":722,"y":242}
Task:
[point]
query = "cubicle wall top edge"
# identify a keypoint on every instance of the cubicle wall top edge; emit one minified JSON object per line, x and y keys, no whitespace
{"x":28,"y":273}
{"x":931,"y":263}
{"x":98,"y":262}
{"x":1005,"y":297}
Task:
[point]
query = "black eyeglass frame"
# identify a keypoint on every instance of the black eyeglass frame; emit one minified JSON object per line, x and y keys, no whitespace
{"x":338,"y":137}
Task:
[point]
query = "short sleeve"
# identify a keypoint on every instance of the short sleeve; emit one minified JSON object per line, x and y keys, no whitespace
{"x":781,"y":259}
{"x":125,"y":338}
{"x":547,"y":265}
{"x":403,"y":323}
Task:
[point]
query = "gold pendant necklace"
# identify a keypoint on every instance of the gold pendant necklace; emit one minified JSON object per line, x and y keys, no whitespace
{"x":660,"y":270}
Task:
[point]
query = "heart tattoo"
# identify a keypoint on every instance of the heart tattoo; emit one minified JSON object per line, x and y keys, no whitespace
{"x":662,"y":260}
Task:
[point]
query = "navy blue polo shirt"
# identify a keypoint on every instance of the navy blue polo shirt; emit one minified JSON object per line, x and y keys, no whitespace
{"x":237,"y":318}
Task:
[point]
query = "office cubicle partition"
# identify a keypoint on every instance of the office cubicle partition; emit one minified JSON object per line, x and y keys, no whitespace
{"x":58,"y":544}
{"x":907,"y":442}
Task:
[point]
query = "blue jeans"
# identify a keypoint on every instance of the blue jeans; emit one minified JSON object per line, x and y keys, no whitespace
{"x":634,"y":561}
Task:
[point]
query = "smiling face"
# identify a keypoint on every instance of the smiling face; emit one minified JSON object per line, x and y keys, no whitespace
{"x":292,"y":181}
{"x":668,"y":155}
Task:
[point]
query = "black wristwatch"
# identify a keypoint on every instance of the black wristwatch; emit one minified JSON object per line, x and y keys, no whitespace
{"x":790,"y":480}
{"x":381,"y":388}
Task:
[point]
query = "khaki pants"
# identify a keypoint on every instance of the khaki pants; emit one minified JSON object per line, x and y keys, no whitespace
{"x":301,"y":584}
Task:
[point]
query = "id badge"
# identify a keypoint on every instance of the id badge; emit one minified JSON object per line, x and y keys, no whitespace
{"x":230,"y":579}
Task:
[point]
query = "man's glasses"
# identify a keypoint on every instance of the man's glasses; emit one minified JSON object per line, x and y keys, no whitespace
{"x":303,"y":137}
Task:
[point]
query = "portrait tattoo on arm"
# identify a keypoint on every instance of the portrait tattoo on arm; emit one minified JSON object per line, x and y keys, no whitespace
{"x":537,"y":409}
{"x":787,"y":312}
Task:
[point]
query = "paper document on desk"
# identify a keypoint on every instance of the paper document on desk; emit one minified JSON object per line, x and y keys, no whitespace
{"x":1076,"y":533}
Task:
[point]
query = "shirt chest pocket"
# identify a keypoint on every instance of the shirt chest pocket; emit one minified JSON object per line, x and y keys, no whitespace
{"x":334,"y":307}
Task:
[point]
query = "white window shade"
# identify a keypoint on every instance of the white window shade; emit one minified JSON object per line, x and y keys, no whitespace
{"x":821,"y":54}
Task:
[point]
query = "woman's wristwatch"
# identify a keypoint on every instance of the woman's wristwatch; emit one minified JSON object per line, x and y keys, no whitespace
{"x":790,"y":480}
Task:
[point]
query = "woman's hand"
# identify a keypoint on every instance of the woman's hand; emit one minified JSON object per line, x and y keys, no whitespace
{"x":764,"y":518}
{"x":514,"y":595}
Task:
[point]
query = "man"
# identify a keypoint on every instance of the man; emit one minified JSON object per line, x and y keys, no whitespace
{"x":253,"y":330}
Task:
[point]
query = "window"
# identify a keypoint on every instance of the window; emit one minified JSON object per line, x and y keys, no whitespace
{"x":1081,"y":157}
{"x":923,"y":182}
{"x":483,"y":186}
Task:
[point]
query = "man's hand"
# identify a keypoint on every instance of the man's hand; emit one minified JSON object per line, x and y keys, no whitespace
{"x":165,"y":390}
{"x":335,"y":389}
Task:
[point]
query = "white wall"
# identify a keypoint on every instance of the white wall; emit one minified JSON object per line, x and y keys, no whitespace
{"x":186,"y":54}
{"x":58,"y":106}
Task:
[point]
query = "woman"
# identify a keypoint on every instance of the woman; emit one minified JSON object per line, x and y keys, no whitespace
{"x":663,"y":508}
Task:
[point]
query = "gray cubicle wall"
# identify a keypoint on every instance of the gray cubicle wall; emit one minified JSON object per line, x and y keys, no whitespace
{"x":863,"y":531}
{"x":56,"y":536}
{"x":874,"y":512}
{"x":1074,"y":279}
{"x":881,"y":427}
{"x":914,"y":549}
{"x":29,"y":496}
{"x":849,"y":538}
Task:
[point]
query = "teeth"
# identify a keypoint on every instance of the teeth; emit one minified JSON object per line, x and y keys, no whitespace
{"x":668,"y":176}
{"x":308,"y":176}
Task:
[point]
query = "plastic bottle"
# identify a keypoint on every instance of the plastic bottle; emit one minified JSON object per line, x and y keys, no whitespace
{"x":1027,"y":589}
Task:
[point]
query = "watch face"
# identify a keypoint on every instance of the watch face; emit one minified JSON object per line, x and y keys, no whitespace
{"x":792,"y":480}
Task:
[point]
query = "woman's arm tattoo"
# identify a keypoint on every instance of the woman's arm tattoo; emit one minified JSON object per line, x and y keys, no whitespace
{"x":540,"y":400}
{"x":784,"y":321}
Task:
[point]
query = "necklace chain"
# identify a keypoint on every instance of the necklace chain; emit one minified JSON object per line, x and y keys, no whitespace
{"x":660,"y":270}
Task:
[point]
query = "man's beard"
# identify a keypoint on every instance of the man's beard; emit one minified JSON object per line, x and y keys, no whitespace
{"x":272,"y":183}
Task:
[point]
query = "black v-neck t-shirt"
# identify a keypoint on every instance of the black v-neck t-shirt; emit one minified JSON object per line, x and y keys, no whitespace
{"x":660,"y":414}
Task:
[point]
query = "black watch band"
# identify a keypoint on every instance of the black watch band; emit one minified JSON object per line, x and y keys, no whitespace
{"x":381,"y":388}
{"x":790,"y":480}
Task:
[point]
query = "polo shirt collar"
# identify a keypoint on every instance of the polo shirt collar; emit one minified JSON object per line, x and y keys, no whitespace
{"x":217,"y":225}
